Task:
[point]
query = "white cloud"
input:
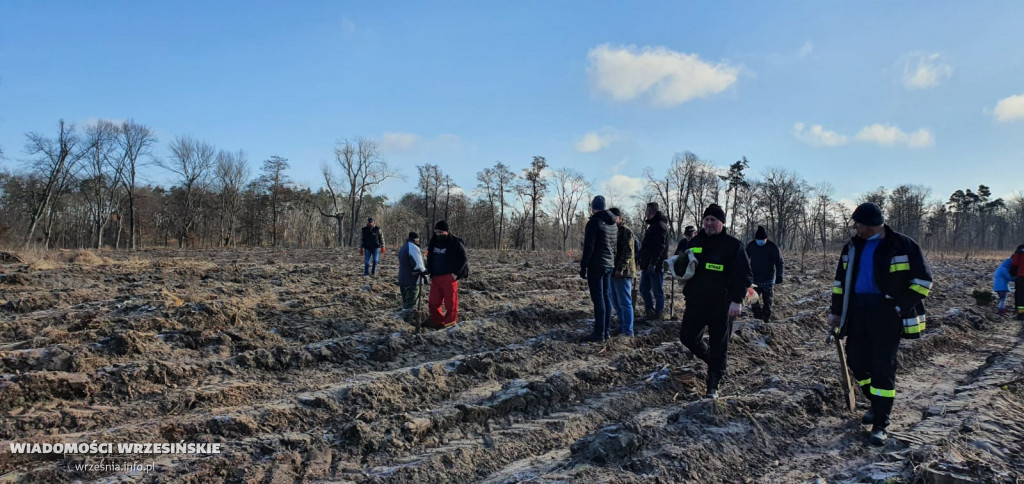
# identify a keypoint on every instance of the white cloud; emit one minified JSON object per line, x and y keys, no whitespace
{"x":922,"y":71}
{"x":807,"y":48}
{"x":667,"y":77}
{"x":399,"y":142}
{"x":595,"y":141}
{"x":1011,"y":108}
{"x":889,"y":135}
{"x":622,"y":187}
{"x":818,"y":136}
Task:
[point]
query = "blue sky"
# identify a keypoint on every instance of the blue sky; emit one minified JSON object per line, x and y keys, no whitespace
{"x":858,"y":94}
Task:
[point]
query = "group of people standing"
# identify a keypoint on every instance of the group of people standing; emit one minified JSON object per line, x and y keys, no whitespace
{"x":880,"y":283}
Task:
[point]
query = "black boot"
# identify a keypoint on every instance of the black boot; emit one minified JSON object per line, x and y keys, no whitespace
{"x":878,"y":436}
{"x":713,"y":379}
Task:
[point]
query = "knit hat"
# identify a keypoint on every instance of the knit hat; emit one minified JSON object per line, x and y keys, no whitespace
{"x":369,"y":219}
{"x":615,"y":211}
{"x":690,"y":229}
{"x":761,"y":234}
{"x":598,"y":203}
{"x":715,"y":211}
{"x":442,"y":226}
{"x":414,"y":236}
{"x":868,"y":214}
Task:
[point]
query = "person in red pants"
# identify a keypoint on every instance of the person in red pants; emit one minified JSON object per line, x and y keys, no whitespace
{"x":447,"y":263}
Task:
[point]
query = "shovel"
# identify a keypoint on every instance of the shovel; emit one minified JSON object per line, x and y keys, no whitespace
{"x":844,"y":373}
{"x":419,"y":297}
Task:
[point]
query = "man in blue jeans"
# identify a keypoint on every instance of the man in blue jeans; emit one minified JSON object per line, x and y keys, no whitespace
{"x":596,"y":266}
{"x":623,"y":274}
{"x":653,"y":252}
{"x":371,"y":245}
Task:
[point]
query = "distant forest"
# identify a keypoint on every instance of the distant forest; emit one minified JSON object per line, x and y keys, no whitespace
{"x":80,"y":188}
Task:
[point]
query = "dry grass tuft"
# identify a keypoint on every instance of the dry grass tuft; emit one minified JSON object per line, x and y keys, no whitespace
{"x":87,"y":258}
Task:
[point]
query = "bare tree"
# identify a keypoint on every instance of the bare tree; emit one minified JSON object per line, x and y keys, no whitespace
{"x":104,"y":175}
{"x":136,"y":141}
{"x":782,"y":193}
{"x":505,"y":179}
{"x":231,"y":174}
{"x":538,"y":187}
{"x":570,"y":189}
{"x":275,"y":178}
{"x":905,"y":210}
{"x":364,"y":170}
{"x":192,"y":161}
{"x":735,"y":180}
{"x":56,"y":161}
{"x":336,"y":212}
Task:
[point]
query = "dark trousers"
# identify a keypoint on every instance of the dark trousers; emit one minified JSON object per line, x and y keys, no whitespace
{"x":409,"y":295}
{"x":1018,"y":296}
{"x":763,"y":309}
{"x":599,"y":281}
{"x":715,"y":317}
{"x":652,"y":290}
{"x":872,"y":341}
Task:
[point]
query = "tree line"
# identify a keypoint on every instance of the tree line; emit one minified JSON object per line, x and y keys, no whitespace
{"x":80,"y":188}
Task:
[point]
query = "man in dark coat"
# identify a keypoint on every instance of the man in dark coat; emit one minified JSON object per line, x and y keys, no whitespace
{"x":410,"y":267}
{"x":684,"y":243}
{"x":371,"y":245}
{"x":447,"y":262}
{"x":881,"y":282}
{"x":766,"y":265}
{"x":653,"y":252}
{"x":714,"y":295}
{"x":596,"y":266}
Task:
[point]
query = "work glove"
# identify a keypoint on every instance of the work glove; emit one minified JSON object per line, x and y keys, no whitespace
{"x":583,"y":272}
{"x":360,"y":251}
{"x":383,"y":250}
{"x":778,"y":280}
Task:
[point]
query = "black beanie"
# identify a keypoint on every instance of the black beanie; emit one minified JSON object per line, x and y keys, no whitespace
{"x":868,"y":214}
{"x":598,"y":204}
{"x":690,"y":229}
{"x":761,"y":234}
{"x":442,"y":225}
{"x":715,"y":211}
{"x":413,"y":236}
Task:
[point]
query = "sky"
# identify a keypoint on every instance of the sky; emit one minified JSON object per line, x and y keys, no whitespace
{"x":856,"y":94}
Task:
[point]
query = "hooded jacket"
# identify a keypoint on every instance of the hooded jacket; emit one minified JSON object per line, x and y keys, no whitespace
{"x":765,"y":262}
{"x":409,"y":261}
{"x":599,"y":238}
{"x":446,"y":254}
{"x":723,"y":271}
{"x":901,"y":274}
{"x":654,"y":249}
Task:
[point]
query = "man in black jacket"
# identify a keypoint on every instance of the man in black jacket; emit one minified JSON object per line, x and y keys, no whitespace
{"x":684,"y":243}
{"x":599,"y":238}
{"x":371,"y":245}
{"x":653,"y":251}
{"x":766,"y":264}
{"x":881,"y":281}
{"x":447,"y":263}
{"x":714,"y":295}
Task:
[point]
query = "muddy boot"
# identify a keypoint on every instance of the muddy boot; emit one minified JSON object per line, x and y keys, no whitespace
{"x":713,"y":379}
{"x":593,"y":338}
{"x":878,"y":436}
{"x":869,"y":418}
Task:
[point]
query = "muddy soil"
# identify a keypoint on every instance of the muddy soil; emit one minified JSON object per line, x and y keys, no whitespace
{"x":304,"y":370}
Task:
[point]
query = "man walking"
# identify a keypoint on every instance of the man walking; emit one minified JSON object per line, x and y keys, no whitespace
{"x":622,"y":275}
{"x":880,"y":283}
{"x":410,"y":267}
{"x":766,"y":265}
{"x":596,"y":266}
{"x":653,"y":251}
{"x":447,"y":262}
{"x":371,"y":244}
{"x":714,"y":295}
